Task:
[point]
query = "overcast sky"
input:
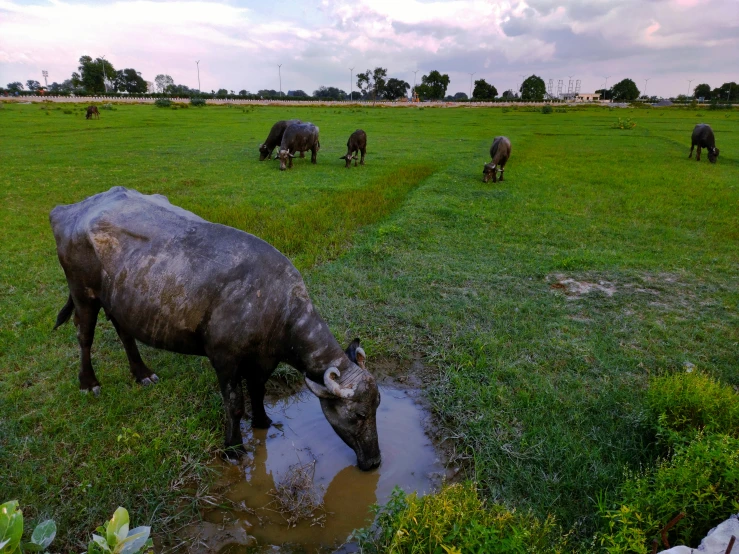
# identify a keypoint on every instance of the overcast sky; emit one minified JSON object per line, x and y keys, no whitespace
{"x":239,"y":43}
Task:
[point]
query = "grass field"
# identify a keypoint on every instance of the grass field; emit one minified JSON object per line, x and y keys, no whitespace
{"x":540,"y":392}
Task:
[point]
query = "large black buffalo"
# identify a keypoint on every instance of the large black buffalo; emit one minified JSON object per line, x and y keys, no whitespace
{"x":357,"y":144}
{"x":300,"y":137}
{"x":500,"y":151}
{"x":172,"y":280}
{"x":274,"y":138}
{"x":703,"y":138}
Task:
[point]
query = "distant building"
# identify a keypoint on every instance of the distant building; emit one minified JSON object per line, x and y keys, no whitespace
{"x":579,"y":97}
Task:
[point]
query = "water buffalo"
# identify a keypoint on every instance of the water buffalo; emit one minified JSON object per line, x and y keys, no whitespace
{"x":274,"y":138}
{"x":92,"y":110}
{"x":172,"y":280}
{"x":298,"y":137}
{"x":703,"y":138}
{"x":500,"y":151}
{"x":357,"y":143}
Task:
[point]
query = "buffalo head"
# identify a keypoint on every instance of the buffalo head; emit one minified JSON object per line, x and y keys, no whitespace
{"x":488,"y":172}
{"x":712,"y":154}
{"x":285,"y":157}
{"x":263,"y":152}
{"x":350,"y":402}
{"x":348,"y":158}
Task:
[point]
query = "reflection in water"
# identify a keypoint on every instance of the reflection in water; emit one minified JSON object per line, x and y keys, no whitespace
{"x":301,"y":434}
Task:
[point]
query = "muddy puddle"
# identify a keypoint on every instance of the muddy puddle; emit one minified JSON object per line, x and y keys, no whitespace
{"x":301,"y":437}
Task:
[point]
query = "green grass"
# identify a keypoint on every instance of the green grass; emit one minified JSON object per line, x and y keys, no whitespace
{"x":541,"y":395}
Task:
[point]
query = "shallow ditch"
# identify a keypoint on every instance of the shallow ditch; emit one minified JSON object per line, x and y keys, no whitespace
{"x":251,"y":520}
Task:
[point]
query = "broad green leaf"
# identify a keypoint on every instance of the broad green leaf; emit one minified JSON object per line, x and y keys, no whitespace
{"x":11,"y":526}
{"x":44,"y":533}
{"x":134,"y":541}
{"x":101,"y":542}
{"x":118,"y":526}
{"x":3,"y":543}
{"x":32,"y":547}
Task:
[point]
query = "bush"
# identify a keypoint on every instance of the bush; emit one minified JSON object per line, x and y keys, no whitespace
{"x":547,"y":109}
{"x":196,"y":101}
{"x":454,"y":521}
{"x":700,"y":481}
{"x":162,"y":102}
{"x":625,"y":123}
{"x":107,"y":106}
{"x":687,"y":403}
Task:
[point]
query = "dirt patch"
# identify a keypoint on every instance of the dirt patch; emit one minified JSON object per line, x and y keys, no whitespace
{"x":575,"y":289}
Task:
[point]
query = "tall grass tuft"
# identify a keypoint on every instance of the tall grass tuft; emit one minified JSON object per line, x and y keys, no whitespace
{"x":319,"y":230}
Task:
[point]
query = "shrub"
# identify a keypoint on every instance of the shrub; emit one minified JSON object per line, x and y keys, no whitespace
{"x":162,"y":102}
{"x":453,"y":521}
{"x":687,"y":403}
{"x":561,"y":110}
{"x":68,"y":112}
{"x":700,"y":481}
{"x":107,"y":106}
{"x":197,"y":101}
{"x":11,"y":531}
{"x":547,"y":109}
{"x":625,"y":123}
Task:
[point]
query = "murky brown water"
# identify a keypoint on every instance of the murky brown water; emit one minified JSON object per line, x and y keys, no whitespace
{"x":301,"y":434}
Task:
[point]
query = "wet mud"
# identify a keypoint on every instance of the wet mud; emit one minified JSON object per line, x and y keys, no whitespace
{"x":301,"y":436}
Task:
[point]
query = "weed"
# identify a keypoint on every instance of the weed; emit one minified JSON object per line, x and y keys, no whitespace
{"x":196,"y":101}
{"x":163,"y":103}
{"x":295,"y":496}
{"x":547,"y":109}
{"x":625,"y":123}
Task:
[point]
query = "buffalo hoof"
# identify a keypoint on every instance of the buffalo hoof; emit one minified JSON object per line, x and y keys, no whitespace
{"x":146,"y":382}
{"x":261,"y":423}
{"x":234,"y":452}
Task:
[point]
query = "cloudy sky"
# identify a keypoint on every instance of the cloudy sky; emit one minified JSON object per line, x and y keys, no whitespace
{"x":239,"y":43}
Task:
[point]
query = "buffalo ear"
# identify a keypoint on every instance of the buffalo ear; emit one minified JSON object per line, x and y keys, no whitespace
{"x":351,"y":350}
{"x":361,"y":357}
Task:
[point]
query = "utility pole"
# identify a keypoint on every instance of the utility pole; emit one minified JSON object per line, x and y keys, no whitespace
{"x":279,"y":72}
{"x":471,"y":74}
{"x":45,"y":74}
{"x":605,"y":87}
{"x":523,"y":78}
{"x":105,"y":76}
{"x":197,"y":63}
{"x":728,"y":94}
{"x":351,"y":83}
{"x":646,"y":82}
{"x":689,"y":81}
{"x":414,"y":80}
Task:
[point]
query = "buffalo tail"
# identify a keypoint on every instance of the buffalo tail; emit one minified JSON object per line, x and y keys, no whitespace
{"x":65,"y":313}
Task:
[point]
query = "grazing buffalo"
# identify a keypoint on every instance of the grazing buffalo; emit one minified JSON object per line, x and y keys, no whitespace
{"x":172,"y":280}
{"x":298,"y":138}
{"x":500,"y":151}
{"x":703,"y":138}
{"x":357,"y":143}
{"x":274,"y":138}
{"x":92,"y":110}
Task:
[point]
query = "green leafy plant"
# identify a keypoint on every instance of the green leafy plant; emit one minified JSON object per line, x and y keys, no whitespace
{"x":11,"y":531}
{"x":197,"y":101}
{"x":625,"y":123}
{"x":547,"y":109}
{"x":116,"y":538}
{"x":107,"y":106}
{"x":162,"y":102}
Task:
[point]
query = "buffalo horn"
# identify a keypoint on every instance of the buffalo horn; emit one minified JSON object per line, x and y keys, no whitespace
{"x":333,"y":386}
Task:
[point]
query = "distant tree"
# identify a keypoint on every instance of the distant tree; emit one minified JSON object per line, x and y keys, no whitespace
{"x":625,"y":91}
{"x":372,"y":83}
{"x":510,"y":95}
{"x":355,"y":95}
{"x":433,"y":86}
{"x":243,"y":92}
{"x":533,"y":89}
{"x":222,"y":92}
{"x":15,"y":86}
{"x":178,"y":90}
{"x":605,"y":93}
{"x":396,"y":88}
{"x":329,"y":93}
{"x":298,"y":93}
{"x":270,"y":92}
{"x":702,"y":91}
{"x":129,"y":80}
{"x":726,"y":92}
{"x":484,"y":91}
{"x":93,"y":74}
{"x":162,"y":82}
{"x":460,"y":96}
{"x":55,"y":87}
{"x":33,"y":85}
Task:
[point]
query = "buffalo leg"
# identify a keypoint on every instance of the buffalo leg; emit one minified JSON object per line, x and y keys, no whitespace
{"x":259,"y":417}
{"x":692,"y":146}
{"x":698,"y":154}
{"x":233,"y":405}
{"x":502,"y":169}
{"x":314,"y":155}
{"x":290,"y":160}
{"x":141,"y":373}
{"x":85,"y":319}
{"x":302,"y":154}
{"x":364,"y":151}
